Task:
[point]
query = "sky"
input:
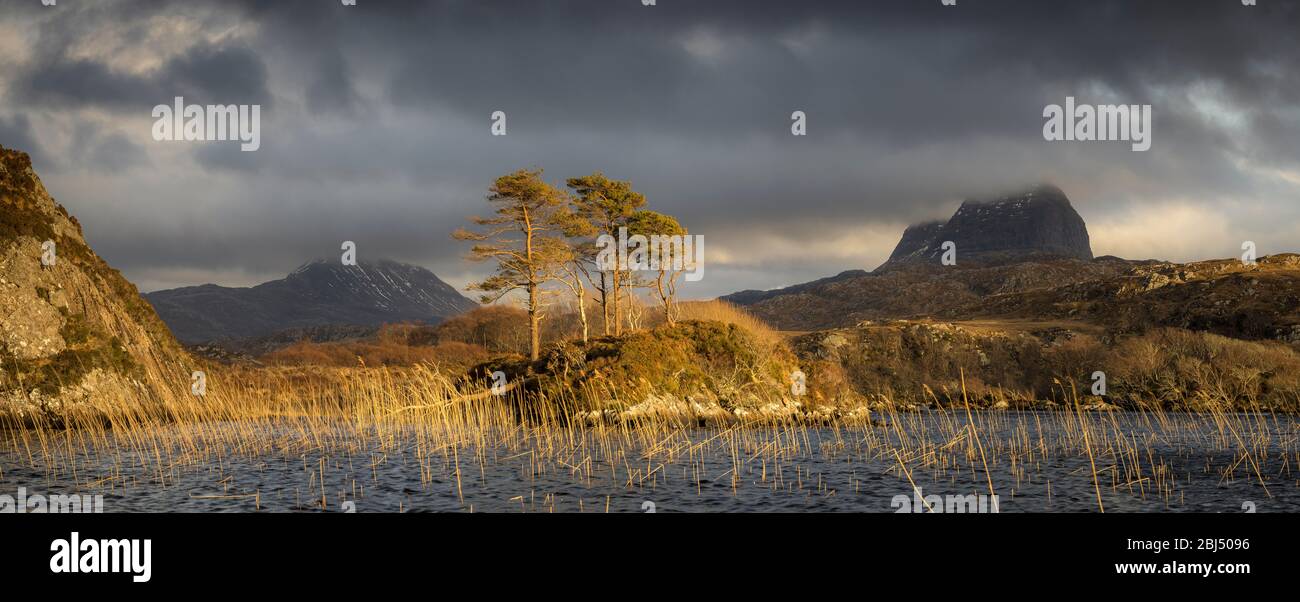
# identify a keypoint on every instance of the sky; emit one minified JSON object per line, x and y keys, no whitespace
{"x":376,"y":123}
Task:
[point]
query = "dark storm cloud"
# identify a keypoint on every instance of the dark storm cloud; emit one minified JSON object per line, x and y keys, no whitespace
{"x":102,"y":151}
{"x":911,"y":71}
{"x":231,"y":74}
{"x":227,"y":156}
{"x":377,"y":116}
{"x":331,"y":89}
{"x":16,"y":133}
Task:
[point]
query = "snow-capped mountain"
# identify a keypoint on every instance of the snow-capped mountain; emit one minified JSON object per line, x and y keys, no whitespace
{"x":318,"y":293}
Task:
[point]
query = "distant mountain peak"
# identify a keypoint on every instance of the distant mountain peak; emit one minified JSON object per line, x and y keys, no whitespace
{"x":320,"y":292}
{"x":336,"y":263}
{"x":1012,"y":242}
{"x":1034,"y":221}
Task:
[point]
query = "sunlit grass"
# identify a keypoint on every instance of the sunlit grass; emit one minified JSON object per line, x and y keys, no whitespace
{"x":345,"y":418}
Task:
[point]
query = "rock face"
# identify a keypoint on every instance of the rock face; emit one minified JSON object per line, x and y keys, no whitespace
{"x":1036,"y":222}
{"x":319,"y":293}
{"x":75,"y":331}
{"x":917,"y":238}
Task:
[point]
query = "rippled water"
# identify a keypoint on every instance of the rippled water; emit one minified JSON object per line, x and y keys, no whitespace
{"x":820,"y":469}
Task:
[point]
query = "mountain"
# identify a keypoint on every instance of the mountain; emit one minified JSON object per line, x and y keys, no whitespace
{"x":1025,"y":258}
{"x":320,"y":293}
{"x":917,"y":240}
{"x":1018,"y":241}
{"x":75,"y":331}
{"x":1038,"y":221}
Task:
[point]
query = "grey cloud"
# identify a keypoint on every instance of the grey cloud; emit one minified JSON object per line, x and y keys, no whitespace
{"x":16,"y":133}
{"x":107,"y":152}
{"x":379,"y":126}
{"x":227,"y":156}
{"x":205,"y":74}
{"x":56,"y":78}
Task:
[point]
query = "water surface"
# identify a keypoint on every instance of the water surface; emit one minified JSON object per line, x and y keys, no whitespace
{"x":1035,"y":463}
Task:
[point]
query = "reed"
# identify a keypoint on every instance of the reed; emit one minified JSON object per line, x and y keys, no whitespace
{"x":348,"y":425}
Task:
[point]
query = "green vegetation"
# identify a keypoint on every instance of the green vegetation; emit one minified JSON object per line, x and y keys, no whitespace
{"x":86,"y":349}
{"x":707,"y":362}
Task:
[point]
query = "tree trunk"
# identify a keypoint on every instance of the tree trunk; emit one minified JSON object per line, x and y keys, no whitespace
{"x":668,"y":306}
{"x":582,"y":306}
{"x":618,"y":322}
{"x":604,"y":302}
{"x":582,"y":313}
{"x":534,"y":323}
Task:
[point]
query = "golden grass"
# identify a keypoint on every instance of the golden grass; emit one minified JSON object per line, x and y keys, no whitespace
{"x":925,"y":363}
{"x":365,"y":416}
{"x":728,"y":313}
{"x":335,"y":419}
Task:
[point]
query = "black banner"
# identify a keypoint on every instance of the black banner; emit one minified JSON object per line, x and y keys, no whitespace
{"x":313,"y":552}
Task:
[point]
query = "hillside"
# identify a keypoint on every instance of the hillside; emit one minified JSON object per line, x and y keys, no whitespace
{"x":915,"y":290}
{"x":1047,"y":364}
{"x":1225,"y":297}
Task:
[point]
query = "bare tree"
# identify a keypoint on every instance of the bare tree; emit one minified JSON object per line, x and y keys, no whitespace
{"x":575,"y":271}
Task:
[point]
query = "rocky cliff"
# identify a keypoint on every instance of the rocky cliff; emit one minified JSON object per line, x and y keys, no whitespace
{"x":72,"y":330}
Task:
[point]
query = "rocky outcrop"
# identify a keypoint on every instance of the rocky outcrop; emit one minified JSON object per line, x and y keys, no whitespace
{"x":74,"y":331}
{"x":916,"y":239}
{"x":1036,"y":222}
